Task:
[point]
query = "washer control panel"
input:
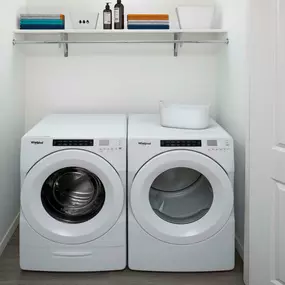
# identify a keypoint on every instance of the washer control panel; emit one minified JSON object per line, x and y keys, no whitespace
{"x":65,"y":143}
{"x":102,"y":145}
{"x":110,"y":145}
{"x":218,"y":145}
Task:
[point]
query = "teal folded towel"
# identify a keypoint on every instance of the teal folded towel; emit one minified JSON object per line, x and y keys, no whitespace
{"x":41,"y":22}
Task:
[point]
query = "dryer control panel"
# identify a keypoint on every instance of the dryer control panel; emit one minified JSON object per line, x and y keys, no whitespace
{"x":181,"y":143}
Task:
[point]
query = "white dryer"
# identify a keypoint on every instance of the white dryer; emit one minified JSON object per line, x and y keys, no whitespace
{"x":73,"y":206}
{"x":181,"y":202}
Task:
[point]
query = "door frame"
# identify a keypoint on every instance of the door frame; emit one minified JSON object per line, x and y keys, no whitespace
{"x":262,"y":38}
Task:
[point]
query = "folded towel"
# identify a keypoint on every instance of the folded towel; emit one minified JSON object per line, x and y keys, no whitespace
{"x":148,"y":21}
{"x":42,"y":16}
{"x":148,"y":27}
{"x":136,"y":17}
{"x":147,"y":24}
{"x":41,"y":27}
{"x":42,"y":22}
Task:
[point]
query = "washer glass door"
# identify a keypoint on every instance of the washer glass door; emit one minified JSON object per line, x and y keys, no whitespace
{"x":181,"y":197}
{"x":72,"y":197}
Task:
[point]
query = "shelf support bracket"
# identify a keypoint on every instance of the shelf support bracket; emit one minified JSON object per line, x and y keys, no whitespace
{"x":64,"y":38}
{"x":176,"y":45}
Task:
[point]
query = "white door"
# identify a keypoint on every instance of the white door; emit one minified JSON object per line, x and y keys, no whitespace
{"x":267,"y":143}
{"x":72,"y":197}
{"x":182,"y":197}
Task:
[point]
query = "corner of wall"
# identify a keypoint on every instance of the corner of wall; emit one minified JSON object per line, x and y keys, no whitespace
{"x":233,"y":94}
{"x":12,"y":122}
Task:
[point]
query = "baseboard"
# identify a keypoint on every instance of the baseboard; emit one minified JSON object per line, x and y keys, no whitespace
{"x":239,"y":247}
{"x":9,"y":234}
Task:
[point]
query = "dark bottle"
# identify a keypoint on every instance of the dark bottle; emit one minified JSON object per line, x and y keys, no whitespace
{"x":119,"y":15}
{"x":107,"y":17}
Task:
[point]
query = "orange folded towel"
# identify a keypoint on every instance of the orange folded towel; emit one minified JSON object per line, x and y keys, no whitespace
{"x":137,"y":17}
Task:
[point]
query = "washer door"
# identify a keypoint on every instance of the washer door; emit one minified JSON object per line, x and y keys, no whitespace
{"x":182,"y":197}
{"x":72,"y":197}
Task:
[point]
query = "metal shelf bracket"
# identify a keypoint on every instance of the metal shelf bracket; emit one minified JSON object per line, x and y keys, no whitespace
{"x":64,"y":39}
{"x":176,"y":44}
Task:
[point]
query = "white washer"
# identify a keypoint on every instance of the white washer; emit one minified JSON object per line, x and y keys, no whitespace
{"x":181,"y":215}
{"x":73,"y":196}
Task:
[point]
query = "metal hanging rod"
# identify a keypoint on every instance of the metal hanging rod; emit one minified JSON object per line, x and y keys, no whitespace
{"x":177,"y":41}
{"x":19,"y":42}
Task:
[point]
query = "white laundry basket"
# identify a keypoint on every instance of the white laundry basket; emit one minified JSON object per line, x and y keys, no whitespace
{"x":184,"y":116}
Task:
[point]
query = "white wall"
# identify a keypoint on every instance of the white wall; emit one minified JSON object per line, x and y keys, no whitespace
{"x":233,"y":99}
{"x":91,"y":85}
{"x":11,"y":119}
{"x":118,"y":78}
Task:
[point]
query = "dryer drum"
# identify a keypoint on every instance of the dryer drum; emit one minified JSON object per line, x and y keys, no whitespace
{"x":73,"y":195}
{"x":182,"y":205}
{"x":176,"y":179}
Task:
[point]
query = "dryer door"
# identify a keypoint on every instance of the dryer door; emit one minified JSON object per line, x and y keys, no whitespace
{"x":181,"y":197}
{"x":72,"y":197}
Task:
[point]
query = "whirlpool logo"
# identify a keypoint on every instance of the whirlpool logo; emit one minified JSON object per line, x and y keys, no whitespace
{"x":144,"y":143}
{"x":37,"y":142}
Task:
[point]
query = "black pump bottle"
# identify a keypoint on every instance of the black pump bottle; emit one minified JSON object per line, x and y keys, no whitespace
{"x":107,"y":18}
{"x":119,"y":15}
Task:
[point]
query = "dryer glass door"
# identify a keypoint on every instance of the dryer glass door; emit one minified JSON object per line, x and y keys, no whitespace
{"x":72,"y":197}
{"x":181,"y":197}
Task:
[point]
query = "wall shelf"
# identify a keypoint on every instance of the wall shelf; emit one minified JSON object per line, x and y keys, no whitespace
{"x":177,"y":37}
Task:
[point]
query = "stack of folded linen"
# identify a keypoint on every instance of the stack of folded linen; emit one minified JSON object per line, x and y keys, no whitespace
{"x":148,"y":21}
{"x":42,"y":22}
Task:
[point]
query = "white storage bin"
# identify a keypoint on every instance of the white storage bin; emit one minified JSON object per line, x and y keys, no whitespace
{"x":195,"y":17}
{"x":184,"y":116}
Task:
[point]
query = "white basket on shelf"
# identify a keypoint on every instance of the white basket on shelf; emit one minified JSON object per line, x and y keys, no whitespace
{"x":184,"y":116}
{"x":195,"y":17}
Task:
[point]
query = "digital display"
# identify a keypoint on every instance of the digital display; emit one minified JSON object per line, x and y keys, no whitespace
{"x":104,"y":143}
{"x":180,"y":143}
{"x":73,"y":142}
{"x":212,"y":143}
